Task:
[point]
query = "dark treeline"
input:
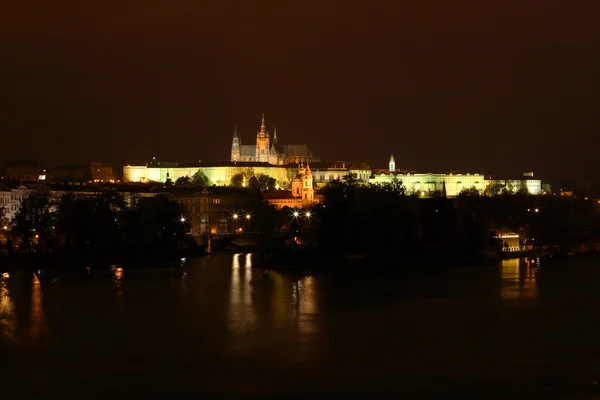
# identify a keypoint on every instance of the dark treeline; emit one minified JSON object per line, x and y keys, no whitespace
{"x":95,"y":224}
{"x":382,"y":219}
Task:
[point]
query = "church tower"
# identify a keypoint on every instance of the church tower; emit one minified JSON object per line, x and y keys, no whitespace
{"x":262,"y":143}
{"x":235,"y":146}
{"x":308,"y":192}
{"x":392,"y":165}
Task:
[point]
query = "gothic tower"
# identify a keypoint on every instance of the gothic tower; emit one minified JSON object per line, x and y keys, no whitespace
{"x":262,"y":143}
{"x":392,"y":167}
{"x":235,"y":146}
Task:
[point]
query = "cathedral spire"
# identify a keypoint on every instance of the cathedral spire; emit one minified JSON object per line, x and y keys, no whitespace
{"x":263,"y":127}
{"x":235,"y":134}
{"x":275,"y":136}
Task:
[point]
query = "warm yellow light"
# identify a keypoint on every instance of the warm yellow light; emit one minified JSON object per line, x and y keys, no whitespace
{"x":247,"y":216}
{"x":296,"y":213}
{"x":308,"y":214}
{"x":182,"y":219}
{"x":235,"y":216}
{"x":5,"y":227}
{"x":537,"y":210}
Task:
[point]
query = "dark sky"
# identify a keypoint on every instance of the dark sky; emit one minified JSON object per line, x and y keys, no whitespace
{"x":480,"y":86}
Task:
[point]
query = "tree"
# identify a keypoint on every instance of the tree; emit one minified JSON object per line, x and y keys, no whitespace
{"x":253,"y":184}
{"x":34,"y":218}
{"x":350,"y":180}
{"x":471,"y":192}
{"x":200,"y":178}
{"x":237,"y":180}
{"x":184,"y":181}
{"x":265,"y":182}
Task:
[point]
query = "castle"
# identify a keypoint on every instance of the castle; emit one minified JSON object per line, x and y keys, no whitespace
{"x":268,"y":150}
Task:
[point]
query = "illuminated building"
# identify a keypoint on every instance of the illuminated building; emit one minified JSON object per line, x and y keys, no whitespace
{"x":301,"y":195}
{"x":267,"y":150}
{"x":526,"y":183}
{"x":218,"y":173}
{"x":324,"y":172}
{"x":426,"y":184}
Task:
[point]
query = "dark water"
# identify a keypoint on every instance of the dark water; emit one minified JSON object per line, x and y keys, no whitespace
{"x":217,"y":328}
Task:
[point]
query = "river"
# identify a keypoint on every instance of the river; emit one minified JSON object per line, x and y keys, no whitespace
{"x":218,"y":328}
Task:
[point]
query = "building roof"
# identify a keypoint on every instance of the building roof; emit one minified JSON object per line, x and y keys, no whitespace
{"x":295,"y":150}
{"x":248,"y":150}
{"x":277,"y":194}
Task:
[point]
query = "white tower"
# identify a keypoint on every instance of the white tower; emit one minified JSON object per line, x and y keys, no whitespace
{"x":392,"y":165}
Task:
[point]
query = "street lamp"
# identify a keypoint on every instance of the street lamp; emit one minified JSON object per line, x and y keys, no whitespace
{"x":307,"y":214}
{"x":182,"y":219}
{"x":248,"y":217}
{"x":235,"y":216}
{"x":296,"y":214}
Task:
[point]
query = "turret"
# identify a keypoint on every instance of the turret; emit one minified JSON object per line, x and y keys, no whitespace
{"x":236,"y":143}
{"x":392,"y":165}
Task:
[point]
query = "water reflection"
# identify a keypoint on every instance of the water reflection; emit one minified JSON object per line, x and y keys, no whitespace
{"x":307,"y":305}
{"x":8,"y":319}
{"x":519,"y":279}
{"x":241,"y":312}
{"x":37,"y":318}
{"x":118,"y":281}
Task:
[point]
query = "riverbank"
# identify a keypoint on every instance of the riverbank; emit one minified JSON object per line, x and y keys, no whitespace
{"x":304,"y":259}
{"x":133,"y":259}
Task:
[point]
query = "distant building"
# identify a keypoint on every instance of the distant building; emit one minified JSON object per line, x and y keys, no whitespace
{"x":23,"y":170}
{"x":212,"y":211}
{"x":268,"y":150}
{"x":69,"y":173}
{"x":102,"y":173}
{"x":525,"y":183}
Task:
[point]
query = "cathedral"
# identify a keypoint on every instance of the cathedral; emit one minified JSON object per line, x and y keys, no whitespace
{"x":268,"y":150}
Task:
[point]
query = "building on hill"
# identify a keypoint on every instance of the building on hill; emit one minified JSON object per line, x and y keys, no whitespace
{"x":23,"y":170}
{"x":325,"y":172}
{"x":452,"y":183}
{"x":102,"y":173}
{"x":301,"y":195}
{"x":268,"y":150}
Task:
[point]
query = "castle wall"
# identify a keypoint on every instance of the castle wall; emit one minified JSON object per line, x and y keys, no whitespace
{"x":218,"y":175}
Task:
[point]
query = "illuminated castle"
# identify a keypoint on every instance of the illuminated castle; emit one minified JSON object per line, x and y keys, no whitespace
{"x":268,"y":150}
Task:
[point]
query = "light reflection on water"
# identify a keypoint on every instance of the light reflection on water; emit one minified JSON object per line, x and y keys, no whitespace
{"x":519,"y":279}
{"x":37,"y":323}
{"x":240,"y":330}
{"x":8,"y":320}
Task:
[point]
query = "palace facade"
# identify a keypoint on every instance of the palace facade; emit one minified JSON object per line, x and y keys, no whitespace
{"x":452,"y":183}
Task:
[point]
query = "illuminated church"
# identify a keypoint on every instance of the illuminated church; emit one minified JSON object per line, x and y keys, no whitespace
{"x":268,"y":150}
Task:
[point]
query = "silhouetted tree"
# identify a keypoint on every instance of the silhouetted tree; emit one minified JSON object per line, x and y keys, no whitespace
{"x":200,"y":178}
{"x":237,"y":180}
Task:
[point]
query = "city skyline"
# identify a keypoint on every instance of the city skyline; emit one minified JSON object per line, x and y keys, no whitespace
{"x":482,"y":88}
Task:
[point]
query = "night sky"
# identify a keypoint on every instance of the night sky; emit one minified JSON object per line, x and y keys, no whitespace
{"x":478,"y":86}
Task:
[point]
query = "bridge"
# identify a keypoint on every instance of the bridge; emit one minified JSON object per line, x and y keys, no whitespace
{"x":224,"y":241}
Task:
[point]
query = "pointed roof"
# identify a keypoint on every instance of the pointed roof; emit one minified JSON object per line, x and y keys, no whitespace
{"x":392,"y":158}
{"x":275,"y":132}
{"x":263,"y":127}
{"x":235,"y":133}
